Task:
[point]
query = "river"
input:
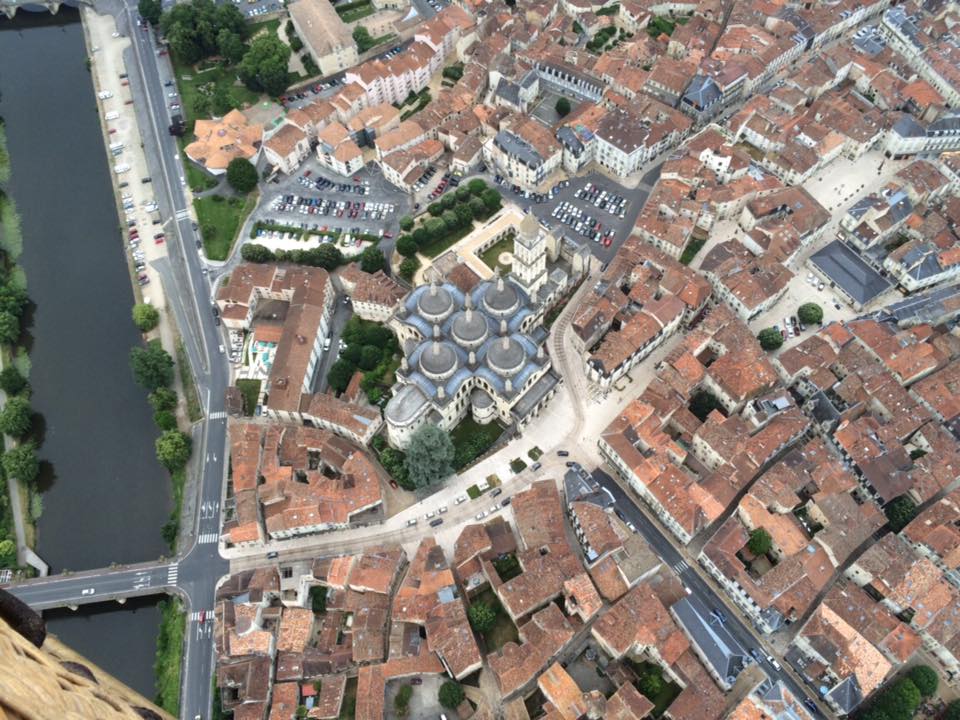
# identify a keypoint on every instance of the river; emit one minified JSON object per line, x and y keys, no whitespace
{"x":106,"y":496}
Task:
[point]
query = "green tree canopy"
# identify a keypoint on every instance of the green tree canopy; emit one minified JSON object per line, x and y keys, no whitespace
{"x":435,"y":209}
{"x":407,"y":246}
{"x":900,"y":700}
{"x":193,"y":28}
{"x":21,"y":463}
{"x":152,"y":366}
{"x":925,"y":678}
{"x":450,"y":694}
{"x":401,"y":703}
{"x":429,"y":455}
{"x":264,"y":65}
{"x":810,"y":314}
{"x":11,"y":381}
{"x":448,"y":201}
{"x":562,"y":107}
{"x":145,"y":317}
{"x":370,"y":356}
{"x":16,"y":417}
{"x":372,"y":259}
{"x":242,"y":175}
{"x":173,"y":449}
{"x":450,"y":219}
{"x":477,"y":207}
{"x":150,"y":10}
{"x":406,"y":223}
{"x":953,"y":711}
{"x":900,"y":511}
{"x":231,"y":46}
{"x":339,"y":375}
{"x":760,"y":542}
{"x":8,"y":552}
{"x":482,"y":617}
{"x":476,"y":186}
{"x":9,"y":328}
{"x":421,"y":235}
{"x":256,"y":253}
{"x":163,"y":399}
{"x":327,"y":256}
{"x":363,"y":39}
{"x":491,"y":199}
{"x":408,"y":267}
{"x":165,"y":420}
{"x":770,"y":338}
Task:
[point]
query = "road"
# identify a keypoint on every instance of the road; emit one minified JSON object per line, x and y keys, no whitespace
{"x":692,"y":579}
{"x":199,"y":566}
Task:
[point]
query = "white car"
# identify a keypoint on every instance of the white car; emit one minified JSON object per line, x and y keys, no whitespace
{"x":481,"y":515}
{"x":460,"y":499}
{"x":430,"y":514}
{"x":87,"y":591}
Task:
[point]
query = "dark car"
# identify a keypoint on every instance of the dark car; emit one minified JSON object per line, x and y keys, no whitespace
{"x":496,"y":492}
{"x":570,"y":463}
{"x":273,"y":555}
{"x":505,"y":502}
{"x":436,"y":521}
{"x":416,"y":681}
{"x":563,"y":453}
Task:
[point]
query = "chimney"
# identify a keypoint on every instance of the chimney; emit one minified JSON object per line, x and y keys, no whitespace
{"x":469,"y":301}
{"x":508,"y":385}
{"x":540,"y":353}
{"x":433,"y":287}
{"x":436,"y":348}
{"x":436,"y":332}
{"x":503,"y":327}
{"x":469,"y":314}
{"x":404,"y":365}
{"x":506,"y":342}
{"x":499,"y":282}
{"x":472,"y":358}
{"x":441,"y":393}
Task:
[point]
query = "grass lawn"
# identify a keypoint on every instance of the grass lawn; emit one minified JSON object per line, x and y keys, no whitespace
{"x":492,"y":254}
{"x":432,"y":249}
{"x":668,"y":690}
{"x":220,"y":219}
{"x":197,"y":179}
{"x":504,"y":631}
{"x":193,"y":84}
{"x":535,"y":453}
{"x":357,"y":13}
{"x":251,"y":391}
{"x":471,"y":440}
{"x":166,"y":666}
{"x":473,"y":492}
{"x":517,"y":465}
{"x":267,"y":26}
{"x":691,"y":250}
{"x":194,"y":412}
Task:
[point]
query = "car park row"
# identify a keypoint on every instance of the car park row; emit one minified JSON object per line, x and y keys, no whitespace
{"x":586,"y":225}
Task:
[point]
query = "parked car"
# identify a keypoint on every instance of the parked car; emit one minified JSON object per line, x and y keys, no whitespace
{"x":436,"y":522}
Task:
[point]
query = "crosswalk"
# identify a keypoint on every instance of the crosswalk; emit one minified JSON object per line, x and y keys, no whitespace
{"x":681,"y":567}
{"x":172,"y":573}
{"x":195,"y":615}
{"x":183,"y":214}
{"x":206,"y":538}
{"x":219,"y":415}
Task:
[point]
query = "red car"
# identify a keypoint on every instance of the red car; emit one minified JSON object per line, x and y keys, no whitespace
{"x":356,"y":178}
{"x":388,"y":235}
{"x":393,"y":483}
{"x":162,"y":52}
{"x":159,"y":240}
{"x":203,"y":616}
{"x":606,"y":242}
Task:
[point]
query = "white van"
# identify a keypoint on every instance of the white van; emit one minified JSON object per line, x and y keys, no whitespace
{"x":112,"y":115}
{"x":116,"y":146}
{"x":104,"y":94}
{"x":122,"y":168}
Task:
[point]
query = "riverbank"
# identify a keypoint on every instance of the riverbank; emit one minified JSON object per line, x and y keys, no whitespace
{"x":174,"y":412}
{"x":17,"y":523}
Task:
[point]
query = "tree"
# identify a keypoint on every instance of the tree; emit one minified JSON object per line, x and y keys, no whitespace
{"x":482,"y":617}
{"x":372,"y":259}
{"x":407,"y":246}
{"x":435,"y":209}
{"x":703,"y":403}
{"x":435,"y":228}
{"x":302,"y":711}
{"x":8,"y":552}
{"x":760,"y":542}
{"x":15,"y":418}
{"x":165,"y":420}
{"x":477,"y":207}
{"x":650,"y":683}
{"x":810,"y":314}
{"x":21,"y":463}
{"x":429,"y":455}
{"x":462,"y":193}
{"x":152,"y":366}
{"x":408,"y":267}
{"x":11,"y":381}
{"x":448,"y":201}
{"x":328,"y":256}
{"x":406,"y":223}
{"x":464,"y":214}
{"x":562,"y":107}
{"x":953,"y":711}
{"x":476,"y":186}
{"x":264,"y":65}
{"x":162,"y":399}
{"x":900,"y":700}
{"x":900,"y":511}
{"x":925,"y":678}
{"x":255,"y":253}
{"x":421,"y":235}
{"x":450,"y":219}
{"x":145,"y":317}
{"x":242,"y":175}
{"x":491,"y":199}
{"x":339,"y":375}
{"x":401,"y":703}
{"x":770,"y":338}
{"x":150,"y":10}
{"x":173,"y":449}
{"x":231,"y":46}
{"x":363,"y":39}
{"x":9,"y":328}
{"x":369,"y":357}
{"x":450,"y":695}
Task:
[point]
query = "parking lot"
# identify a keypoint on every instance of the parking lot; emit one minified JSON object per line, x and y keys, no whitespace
{"x":320,"y":201}
{"x":577,"y":203}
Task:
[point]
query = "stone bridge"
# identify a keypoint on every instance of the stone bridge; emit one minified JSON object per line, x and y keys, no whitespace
{"x":10,"y":7}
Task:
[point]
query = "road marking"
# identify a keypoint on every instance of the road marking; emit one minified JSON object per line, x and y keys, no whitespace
{"x":681,"y":567}
{"x":207,"y":538}
{"x":183,"y":214}
{"x":195,"y":615}
{"x":172,"y":572}
{"x":219,"y":415}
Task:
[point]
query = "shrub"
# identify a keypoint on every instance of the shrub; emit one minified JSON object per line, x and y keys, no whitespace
{"x":810,"y":314}
{"x":770,"y":338}
{"x":760,"y":542}
{"x":450,"y":694}
{"x":482,"y":617}
{"x":925,"y":678}
{"x":241,"y":175}
{"x":145,"y":317}
{"x":900,"y":511}
{"x":562,"y":107}
{"x":11,"y":381}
